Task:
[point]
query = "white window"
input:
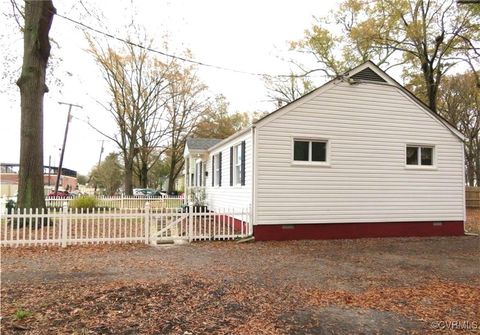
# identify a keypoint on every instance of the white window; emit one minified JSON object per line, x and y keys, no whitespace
{"x":310,"y":150}
{"x":237,"y":162}
{"x":216,"y":168}
{"x":416,"y":155}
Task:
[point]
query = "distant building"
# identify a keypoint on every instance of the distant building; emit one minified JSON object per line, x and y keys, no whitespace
{"x":9,"y":178}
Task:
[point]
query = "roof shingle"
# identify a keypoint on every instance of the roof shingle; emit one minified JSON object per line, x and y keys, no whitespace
{"x":201,"y":143}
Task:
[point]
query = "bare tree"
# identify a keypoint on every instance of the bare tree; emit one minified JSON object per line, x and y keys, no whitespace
{"x":287,"y":89}
{"x":185,"y":105}
{"x":154,"y":128}
{"x":38,"y":20}
{"x":459,"y":102}
{"x":136,"y":83}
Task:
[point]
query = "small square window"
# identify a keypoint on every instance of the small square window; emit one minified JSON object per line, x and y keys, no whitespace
{"x":419,"y":156}
{"x":300,"y":150}
{"x":310,"y":151}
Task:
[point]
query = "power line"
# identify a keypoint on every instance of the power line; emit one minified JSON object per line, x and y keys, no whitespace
{"x":184,"y":59}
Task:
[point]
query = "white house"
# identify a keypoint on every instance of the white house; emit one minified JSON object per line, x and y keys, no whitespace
{"x":360,"y":156}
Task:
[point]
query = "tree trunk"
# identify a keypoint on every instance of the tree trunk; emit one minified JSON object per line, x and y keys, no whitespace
{"x":431,"y":86}
{"x":128,"y":176}
{"x":143,"y":175}
{"x":36,"y":51}
{"x":171,"y":174}
{"x":477,"y":170}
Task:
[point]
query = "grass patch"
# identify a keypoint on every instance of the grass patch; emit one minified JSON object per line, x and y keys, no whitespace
{"x":21,"y":314}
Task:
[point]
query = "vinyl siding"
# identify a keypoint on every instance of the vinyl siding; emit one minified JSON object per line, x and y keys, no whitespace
{"x":227,"y":196}
{"x":368,"y":127}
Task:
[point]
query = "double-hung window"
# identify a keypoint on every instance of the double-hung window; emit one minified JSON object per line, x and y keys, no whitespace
{"x":216,"y":169}
{"x":310,"y":150}
{"x":238,"y":164}
{"x":418,"y":155}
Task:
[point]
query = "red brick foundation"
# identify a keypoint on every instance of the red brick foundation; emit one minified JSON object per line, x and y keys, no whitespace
{"x":356,"y":230}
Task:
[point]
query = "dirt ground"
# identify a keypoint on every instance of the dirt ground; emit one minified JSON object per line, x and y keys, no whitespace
{"x":365,"y":286}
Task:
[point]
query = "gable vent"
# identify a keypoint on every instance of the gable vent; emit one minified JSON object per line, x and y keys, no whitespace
{"x":368,"y":74}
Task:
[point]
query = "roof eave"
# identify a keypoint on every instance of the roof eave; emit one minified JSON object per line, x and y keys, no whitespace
{"x":231,"y":137}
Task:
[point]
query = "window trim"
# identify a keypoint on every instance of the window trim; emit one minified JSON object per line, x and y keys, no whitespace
{"x":419,"y":165}
{"x":309,"y":139}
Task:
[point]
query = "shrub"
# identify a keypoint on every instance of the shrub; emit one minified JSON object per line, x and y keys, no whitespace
{"x":85,"y":202}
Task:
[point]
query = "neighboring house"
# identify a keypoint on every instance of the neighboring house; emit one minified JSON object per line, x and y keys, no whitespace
{"x":360,"y":156}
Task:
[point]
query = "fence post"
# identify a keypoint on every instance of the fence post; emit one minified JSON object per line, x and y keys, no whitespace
{"x":121,"y":202}
{"x":147,"y":222}
{"x":190,"y":223}
{"x":250,"y":221}
{"x":64,"y":224}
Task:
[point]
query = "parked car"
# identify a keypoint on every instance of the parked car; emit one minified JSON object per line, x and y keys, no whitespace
{"x":76,"y":193}
{"x":147,"y":192}
{"x":162,"y":193}
{"x":58,"y":194}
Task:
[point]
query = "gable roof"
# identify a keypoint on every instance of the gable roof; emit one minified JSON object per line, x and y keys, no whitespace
{"x":366,"y":72}
{"x":202,"y":143}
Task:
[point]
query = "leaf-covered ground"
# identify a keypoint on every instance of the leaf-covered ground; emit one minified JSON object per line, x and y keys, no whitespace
{"x":385,"y":286}
{"x":472,"y":225}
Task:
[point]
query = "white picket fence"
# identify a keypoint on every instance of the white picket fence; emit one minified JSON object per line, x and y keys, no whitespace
{"x":68,"y":226}
{"x":124,"y":201}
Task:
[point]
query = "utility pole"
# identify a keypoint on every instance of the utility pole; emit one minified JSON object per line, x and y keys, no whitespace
{"x":49,"y":169}
{"x":99,"y":161}
{"x":64,"y":142}
{"x":101,"y":152}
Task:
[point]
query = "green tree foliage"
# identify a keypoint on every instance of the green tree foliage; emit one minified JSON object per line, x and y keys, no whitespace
{"x":426,"y":37}
{"x":217,"y":122}
{"x":158,"y":174}
{"x":108,"y":175}
{"x":82,"y":179}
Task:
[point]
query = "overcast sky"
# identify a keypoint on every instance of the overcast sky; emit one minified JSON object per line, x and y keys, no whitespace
{"x":245,"y":35}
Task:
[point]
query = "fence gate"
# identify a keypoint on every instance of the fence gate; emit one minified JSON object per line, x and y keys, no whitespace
{"x":168,"y":226}
{"x":173,"y":225}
